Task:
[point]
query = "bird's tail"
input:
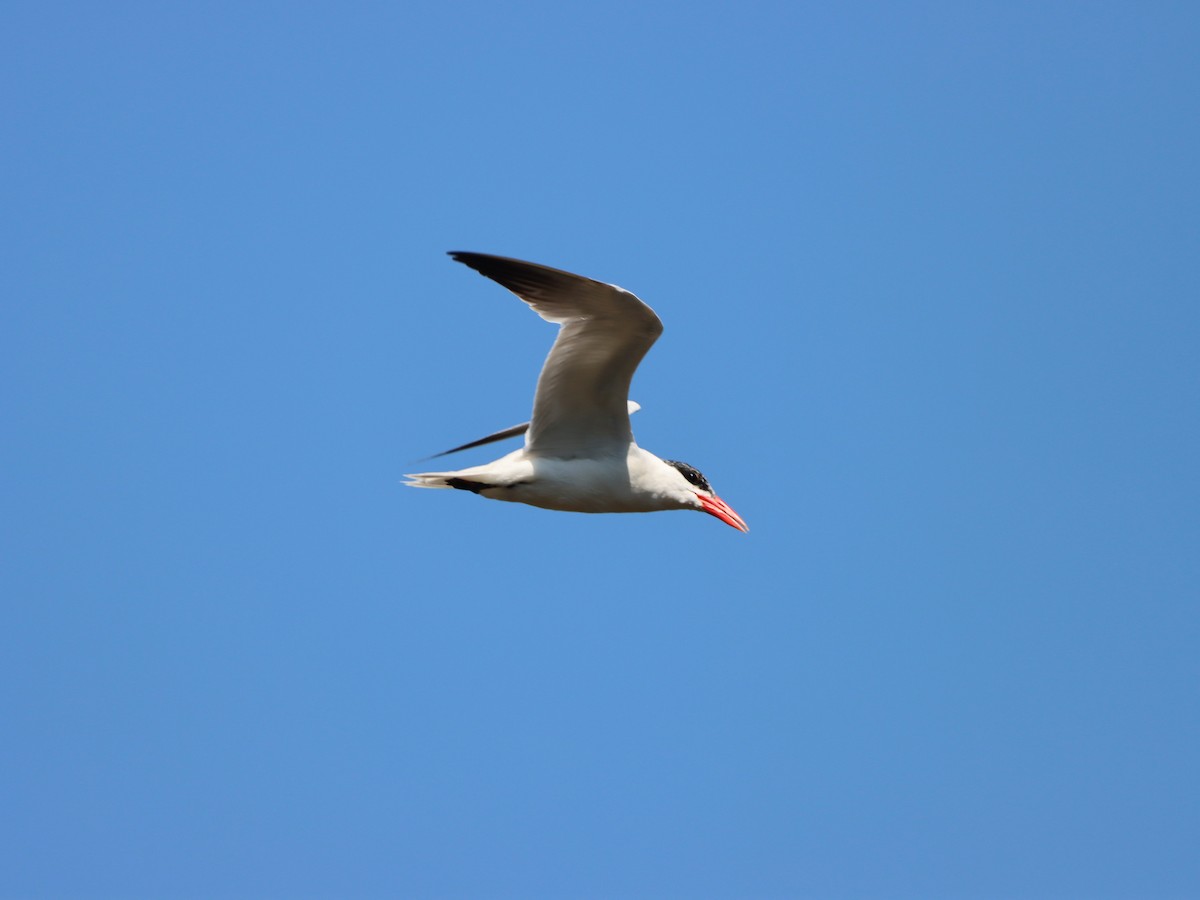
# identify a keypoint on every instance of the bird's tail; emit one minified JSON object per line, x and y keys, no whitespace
{"x":430,"y":480}
{"x":462,"y":480}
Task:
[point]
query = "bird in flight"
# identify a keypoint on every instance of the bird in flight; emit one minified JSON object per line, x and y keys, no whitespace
{"x":579,"y":452}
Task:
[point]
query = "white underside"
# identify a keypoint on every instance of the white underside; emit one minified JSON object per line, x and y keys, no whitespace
{"x":637,"y":481}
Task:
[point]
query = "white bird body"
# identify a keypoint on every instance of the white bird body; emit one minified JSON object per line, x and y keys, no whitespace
{"x":579,"y":453}
{"x":635,"y":482}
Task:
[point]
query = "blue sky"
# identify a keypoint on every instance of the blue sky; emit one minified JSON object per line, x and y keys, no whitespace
{"x":929,"y":276}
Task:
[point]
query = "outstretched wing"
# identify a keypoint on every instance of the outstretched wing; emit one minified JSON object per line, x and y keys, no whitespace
{"x":504,"y":434}
{"x":581,"y":403}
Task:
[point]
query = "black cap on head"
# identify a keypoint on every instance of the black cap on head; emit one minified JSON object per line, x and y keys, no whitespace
{"x":692,"y":475}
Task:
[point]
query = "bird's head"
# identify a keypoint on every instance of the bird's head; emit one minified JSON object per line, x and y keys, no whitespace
{"x":693,"y":491}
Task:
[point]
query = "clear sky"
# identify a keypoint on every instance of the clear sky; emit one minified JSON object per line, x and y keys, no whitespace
{"x":930,"y":275}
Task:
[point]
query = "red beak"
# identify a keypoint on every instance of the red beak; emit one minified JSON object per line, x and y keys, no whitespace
{"x":715,"y":506}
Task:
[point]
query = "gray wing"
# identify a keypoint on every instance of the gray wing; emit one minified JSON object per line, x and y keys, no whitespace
{"x":581,"y":403}
{"x":504,"y":434}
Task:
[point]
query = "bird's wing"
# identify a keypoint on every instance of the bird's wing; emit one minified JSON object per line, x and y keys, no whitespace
{"x":504,"y":434}
{"x":580,"y":405}
{"x":490,"y":439}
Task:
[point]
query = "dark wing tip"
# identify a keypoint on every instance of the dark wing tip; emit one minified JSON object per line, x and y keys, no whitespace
{"x":478,"y":260}
{"x":492,"y":266}
{"x":530,"y":281}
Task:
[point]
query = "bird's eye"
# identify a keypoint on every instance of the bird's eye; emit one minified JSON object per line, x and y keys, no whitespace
{"x":693,"y":476}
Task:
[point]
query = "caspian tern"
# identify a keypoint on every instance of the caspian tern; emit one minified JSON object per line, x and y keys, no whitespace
{"x":579,"y":452}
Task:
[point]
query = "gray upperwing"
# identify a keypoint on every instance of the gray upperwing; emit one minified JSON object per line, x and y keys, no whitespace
{"x":506,"y":433}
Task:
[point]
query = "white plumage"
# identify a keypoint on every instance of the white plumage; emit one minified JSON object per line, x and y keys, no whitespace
{"x":579,"y":453}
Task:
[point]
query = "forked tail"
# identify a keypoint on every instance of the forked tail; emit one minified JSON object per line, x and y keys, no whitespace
{"x":447,"y":480}
{"x":430,"y":480}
